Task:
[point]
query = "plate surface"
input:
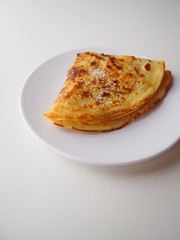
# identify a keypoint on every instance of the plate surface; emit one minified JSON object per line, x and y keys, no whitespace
{"x":143,"y":139}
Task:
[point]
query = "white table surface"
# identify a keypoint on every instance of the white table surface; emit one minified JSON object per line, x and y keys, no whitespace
{"x":44,"y":196}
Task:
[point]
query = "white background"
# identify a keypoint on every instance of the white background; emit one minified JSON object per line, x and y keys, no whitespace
{"x":47,"y":196}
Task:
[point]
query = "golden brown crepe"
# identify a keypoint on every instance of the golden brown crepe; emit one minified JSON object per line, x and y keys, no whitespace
{"x":121,"y":122}
{"x":105,"y":92}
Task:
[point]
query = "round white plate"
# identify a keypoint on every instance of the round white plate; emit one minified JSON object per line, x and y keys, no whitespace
{"x":143,"y":139}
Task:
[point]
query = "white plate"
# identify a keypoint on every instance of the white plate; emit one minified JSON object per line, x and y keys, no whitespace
{"x":141,"y":140}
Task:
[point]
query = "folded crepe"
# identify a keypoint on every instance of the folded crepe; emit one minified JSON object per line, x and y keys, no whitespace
{"x":105,"y":92}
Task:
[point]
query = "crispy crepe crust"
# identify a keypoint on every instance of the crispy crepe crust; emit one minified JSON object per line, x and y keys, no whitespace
{"x":103,"y":88}
{"x":121,"y":122}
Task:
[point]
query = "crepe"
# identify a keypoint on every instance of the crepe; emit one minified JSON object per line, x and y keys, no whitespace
{"x":102,"y":91}
{"x":121,"y":122}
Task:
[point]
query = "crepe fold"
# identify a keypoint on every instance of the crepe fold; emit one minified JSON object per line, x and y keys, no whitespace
{"x":106,"y":92}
